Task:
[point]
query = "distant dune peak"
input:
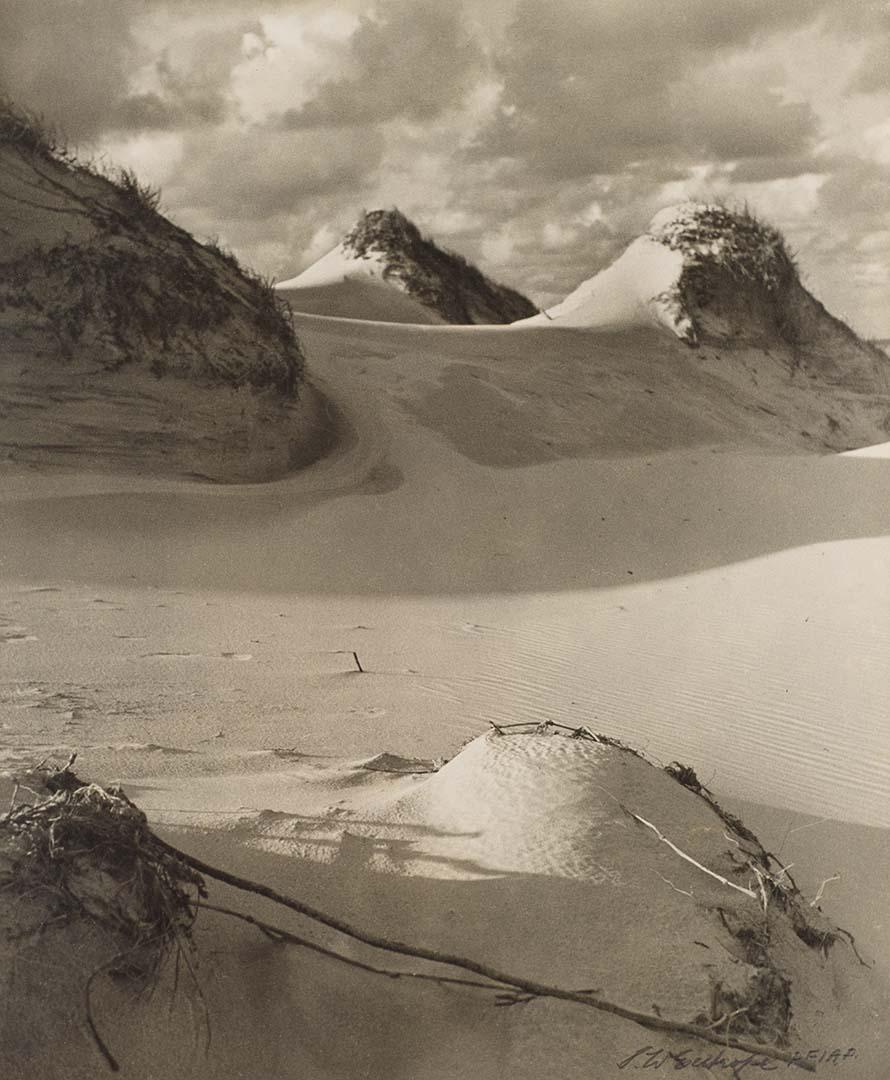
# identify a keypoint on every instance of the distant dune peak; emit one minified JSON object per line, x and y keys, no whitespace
{"x":702,"y":271}
{"x":386,"y":231}
{"x":385,"y":248}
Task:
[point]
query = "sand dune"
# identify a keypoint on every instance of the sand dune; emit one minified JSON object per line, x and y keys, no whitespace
{"x":630,"y":292}
{"x":517,"y":524}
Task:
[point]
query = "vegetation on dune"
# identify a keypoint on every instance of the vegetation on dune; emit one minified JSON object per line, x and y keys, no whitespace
{"x":118,"y":302}
{"x":734,"y":240}
{"x":442,"y":280}
{"x":735,"y":266}
{"x":129,"y":286}
{"x":139,"y":197}
{"x":29,"y":131}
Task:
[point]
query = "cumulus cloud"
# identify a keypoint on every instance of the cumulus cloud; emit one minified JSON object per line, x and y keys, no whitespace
{"x":595,"y":86}
{"x":188,"y":84}
{"x":408,"y":58}
{"x":67,"y":61}
{"x":536,"y":139}
{"x":258,"y":173}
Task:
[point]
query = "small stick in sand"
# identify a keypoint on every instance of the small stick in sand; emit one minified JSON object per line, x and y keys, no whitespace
{"x":685,"y":892}
{"x":358,"y":662}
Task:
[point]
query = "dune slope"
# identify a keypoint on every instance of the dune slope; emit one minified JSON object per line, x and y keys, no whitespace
{"x":123,"y":341}
{"x":519,"y":524}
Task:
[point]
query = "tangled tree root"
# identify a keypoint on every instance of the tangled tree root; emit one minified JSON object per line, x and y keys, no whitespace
{"x":88,"y":853}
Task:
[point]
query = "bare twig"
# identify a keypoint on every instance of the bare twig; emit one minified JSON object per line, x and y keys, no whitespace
{"x":689,"y":858}
{"x":729,"y":1016}
{"x":276,"y":933}
{"x":761,"y":886}
{"x":848,"y":937}
{"x":685,"y":892}
{"x":101,"y":1045}
{"x":818,"y":896}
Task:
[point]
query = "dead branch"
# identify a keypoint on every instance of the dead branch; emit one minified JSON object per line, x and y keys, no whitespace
{"x":276,"y":933}
{"x":514,"y":983}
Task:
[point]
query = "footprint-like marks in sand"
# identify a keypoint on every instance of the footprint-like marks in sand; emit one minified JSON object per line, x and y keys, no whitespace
{"x":170,"y":655}
{"x":10,"y":634}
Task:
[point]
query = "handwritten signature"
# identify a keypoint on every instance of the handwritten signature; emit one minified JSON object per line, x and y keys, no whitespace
{"x":656,"y":1057}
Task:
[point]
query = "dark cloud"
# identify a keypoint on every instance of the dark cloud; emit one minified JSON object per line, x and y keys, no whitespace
{"x":595,"y":85}
{"x":726,"y":118}
{"x":193,"y":83}
{"x":74,"y":62}
{"x":68,"y":61}
{"x":874,"y":73}
{"x":260,"y":172}
{"x":410,"y":58}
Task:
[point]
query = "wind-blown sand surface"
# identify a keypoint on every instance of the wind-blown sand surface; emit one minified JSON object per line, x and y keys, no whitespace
{"x":497,"y":541}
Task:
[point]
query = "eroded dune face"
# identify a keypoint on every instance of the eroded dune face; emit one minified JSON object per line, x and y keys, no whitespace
{"x":124,"y":341}
{"x":564,"y":859}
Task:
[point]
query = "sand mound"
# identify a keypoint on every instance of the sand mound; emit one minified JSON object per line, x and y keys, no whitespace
{"x":126,"y":340}
{"x":613,"y":884}
{"x":384,"y":269}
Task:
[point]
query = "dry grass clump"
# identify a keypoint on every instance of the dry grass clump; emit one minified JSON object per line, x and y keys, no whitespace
{"x":733,"y":239}
{"x":29,"y":131}
{"x":735,"y":266}
{"x":141,"y":198}
{"x":88,"y":853}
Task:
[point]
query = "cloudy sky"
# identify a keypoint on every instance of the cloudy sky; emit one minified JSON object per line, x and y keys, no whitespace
{"x":534,"y":136}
